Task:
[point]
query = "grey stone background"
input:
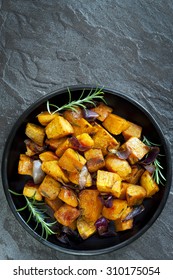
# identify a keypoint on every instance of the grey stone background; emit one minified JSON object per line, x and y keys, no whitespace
{"x":124,"y":45}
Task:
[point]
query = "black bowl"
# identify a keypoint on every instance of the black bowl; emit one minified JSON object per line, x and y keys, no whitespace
{"x":123,"y":106}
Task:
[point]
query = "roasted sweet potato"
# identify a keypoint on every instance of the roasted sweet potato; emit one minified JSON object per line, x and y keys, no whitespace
{"x":120,"y":224}
{"x":115,"y":124}
{"x":90,"y":205}
{"x":116,"y":211}
{"x":58,"y":127}
{"x":55,"y":204}
{"x":36,"y":133}
{"x":71,"y":161}
{"x":135,"y":194}
{"x":85,"y":229}
{"x":83,"y":126}
{"x":53,"y":169}
{"x":120,"y":166}
{"x":66,"y":214}
{"x":25,"y":165}
{"x":47,"y":156}
{"x":108,"y":182}
{"x":135,"y":175}
{"x":49,"y":187}
{"x":103,"y":111}
{"x":53,"y":144}
{"x":104,"y":140}
{"x":68,"y":196}
{"x":32,"y":191}
{"x":133,"y":130}
{"x":148,"y":183}
{"x":95,"y":159}
{"x":137,"y":147}
{"x":45,"y":117}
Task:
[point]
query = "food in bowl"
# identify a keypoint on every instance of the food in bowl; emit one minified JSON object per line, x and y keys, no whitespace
{"x":89,"y":170}
{"x":78,"y":166}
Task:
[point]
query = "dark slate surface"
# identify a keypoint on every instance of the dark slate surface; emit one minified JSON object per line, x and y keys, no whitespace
{"x":124,"y":45}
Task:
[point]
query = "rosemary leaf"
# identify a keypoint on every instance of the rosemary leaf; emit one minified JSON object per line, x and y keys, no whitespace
{"x":157,"y":175}
{"x":81,"y":102}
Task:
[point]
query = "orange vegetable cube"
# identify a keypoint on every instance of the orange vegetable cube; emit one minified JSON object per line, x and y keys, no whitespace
{"x":45,"y":117}
{"x":133,"y":130}
{"x":116,"y":211}
{"x":66,"y":214}
{"x":32,"y":191}
{"x":58,"y":127}
{"x":49,"y":187}
{"x":53,"y":169}
{"x":148,"y":183}
{"x":103,"y":111}
{"x":47,"y":156}
{"x":95,"y":159}
{"x":137,"y":147}
{"x":135,"y":194}
{"x":36,"y":133}
{"x":120,"y":166}
{"x":68,"y":196}
{"x":90,"y":205}
{"x":85,"y":229}
{"x":108,"y":182}
{"x":71,"y":161}
{"x":55,"y":204}
{"x":25,"y":165}
{"x":120,"y":224}
{"x":115,"y":124}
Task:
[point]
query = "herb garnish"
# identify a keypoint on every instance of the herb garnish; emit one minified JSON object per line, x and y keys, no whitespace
{"x":71,"y":105}
{"x":38,"y":214}
{"x":157,"y":174}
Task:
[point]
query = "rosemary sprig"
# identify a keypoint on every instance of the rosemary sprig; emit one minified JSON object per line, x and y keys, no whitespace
{"x":38,"y":214}
{"x":157,"y":174}
{"x":71,"y":105}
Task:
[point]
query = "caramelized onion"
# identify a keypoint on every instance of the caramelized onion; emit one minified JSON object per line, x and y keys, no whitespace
{"x":37,"y":172}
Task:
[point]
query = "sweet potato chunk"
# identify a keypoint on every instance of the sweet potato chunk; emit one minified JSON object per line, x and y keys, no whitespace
{"x":25,"y":165}
{"x":148,"y":183}
{"x":108,"y":182}
{"x":71,"y":161}
{"x":133,"y":130}
{"x":115,"y":124}
{"x":36,"y":133}
{"x":116,"y":211}
{"x":137,"y":147}
{"x":90,"y":205}
{"x":73,"y":116}
{"x":135,"y":175}
{"x":120,"y":166}
{"x":47,"y":156}
{"x":58,"y":127}
{"x":95,"y":159}
{"x":120,"y":224}
{"x":103,"y":111}
{"x":32,"y":148}
{"x":54,"y":143}
{"x":85,"y":141}
{"x":32,"y":191}
{"x":53,"y":169}
{"x":55,"y":204}
{"x":103,"y":140}
{"x":45,"y":117}
{"x":85,"y":229}
{"x":83,"y":126}
{"x":135,"y":194}
{"x":68,"y":196}
{"x":49,"y":188}
{"x":66,"y":214}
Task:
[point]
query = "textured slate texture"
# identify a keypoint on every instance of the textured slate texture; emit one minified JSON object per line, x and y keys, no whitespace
{"x":124,"y":45}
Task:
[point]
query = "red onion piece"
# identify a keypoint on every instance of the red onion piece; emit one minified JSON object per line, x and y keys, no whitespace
{"x":106,"y":200}
{"x":76,"y":145}
{"x":90,"y":115}
{"x":101,"y":225}
{"x":150,"y":168}
{"x":121,"y":154}
{"x":136,"y":211}
{"x":151,"y":156}
{"x":37,"y":172}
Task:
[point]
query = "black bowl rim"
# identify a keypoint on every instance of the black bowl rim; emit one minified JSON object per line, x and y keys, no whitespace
{"x":5,"y":179}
